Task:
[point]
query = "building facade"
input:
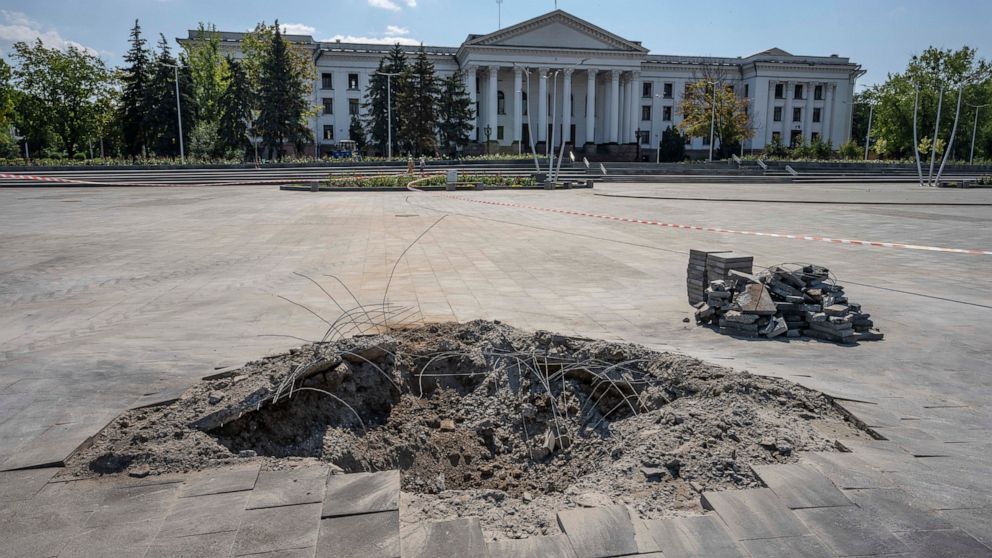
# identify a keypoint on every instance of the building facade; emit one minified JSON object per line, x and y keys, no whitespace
{"x":602,"y":90}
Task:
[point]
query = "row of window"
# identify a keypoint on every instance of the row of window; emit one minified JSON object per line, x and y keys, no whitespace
{"x":327,"y":81}
{"x":794,"y":137}
{"x":799,"y":92}
{"x":353,"y":106}
{"x":797,"y":114}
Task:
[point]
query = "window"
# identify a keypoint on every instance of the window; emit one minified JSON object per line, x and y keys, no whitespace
{"x":646,"y":89}
{"x":644,"y":137}
{"x":816,"y":115}
{"x":818,"y":93}
{"x":668,"y":90}
{"x":777,"y":137}
{"x":779,"y":90}
{"x":706,"y":140}
{"x":571,"y":106}
{"x":328,"y":106}
{"x":747,"y":89}
{"x":328,"y":132}
{"x":500,"y":103}
{"x":796,"y":138}
{"x":730,"y":88}
{"x":797,"y":114}
{"x":523,"y":99}
{"x":798,"y":93}
{"x":778,"y":114}
{"x":353,"y":82}
{"x":353,"y":107}
{"x":666,"y":114}
{"x":327,"y":81}
{"x":646,"y":112}
{"x":815,"y":137}
{"x":499,"y":133}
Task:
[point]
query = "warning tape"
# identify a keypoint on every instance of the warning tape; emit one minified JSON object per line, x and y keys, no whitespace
{"x":261,"y":182}
{"x":730,"y":231}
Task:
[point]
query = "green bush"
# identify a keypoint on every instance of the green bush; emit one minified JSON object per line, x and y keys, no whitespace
{"x":850,"y":150}
{"x":404,"y":180}
{"x":775,"y":148}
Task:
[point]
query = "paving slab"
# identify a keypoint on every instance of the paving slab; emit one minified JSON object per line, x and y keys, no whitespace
{"x":702,"y":536}
{"x":788,"y":547}
{"x":210,"y":545}
{"x":976,"y":522}
{"x":553,"y":546}
{"x":219,"y":481}
{"x":30,"y":530}
{"x":754,"y":514}
{"x":23,"y":485}
{"x":952,"y":543}
{"x":897,"y":510}
{"x":599,"y":532}
{"x":847,"y":470}
{"x":278,"y":529}
{"x":801,"y":486}
{"x":370,"y":535}
{"x":850,"y":531}
{"x":361,"y":493}
{"x":123,"y":540}
{"x":133,"y":504}
{"x":51,"y":447}
{"x":456,"y":538}
{"x":288,"y":488}
{"x":212,"y":513}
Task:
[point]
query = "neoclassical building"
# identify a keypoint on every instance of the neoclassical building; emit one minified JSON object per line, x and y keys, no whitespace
{"x":606,"y":93}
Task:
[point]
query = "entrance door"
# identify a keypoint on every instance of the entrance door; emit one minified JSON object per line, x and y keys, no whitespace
{"x":525,"y":136}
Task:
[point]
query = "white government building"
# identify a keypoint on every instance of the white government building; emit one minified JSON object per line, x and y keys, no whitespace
{"x":609,"y":93}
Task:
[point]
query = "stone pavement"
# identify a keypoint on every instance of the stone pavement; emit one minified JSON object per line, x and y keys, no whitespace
{"x":117,"y":298}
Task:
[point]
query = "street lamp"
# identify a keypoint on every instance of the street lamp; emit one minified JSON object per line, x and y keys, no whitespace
{"x":974,"y":130}
{"x":637,"y":140}
{"x":389,"y":111}
{"x":489,"y":132}
{"x":712,"y":119}
{"x":554,"y":122}
{"x":530,"y":127}
{"x":179,"y":113}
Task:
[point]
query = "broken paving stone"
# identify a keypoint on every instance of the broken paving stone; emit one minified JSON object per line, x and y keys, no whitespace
{"x":215,"y":397}
{"x":735,"y":316}
{"x":754,"y":299}
{"x":447,"y":425}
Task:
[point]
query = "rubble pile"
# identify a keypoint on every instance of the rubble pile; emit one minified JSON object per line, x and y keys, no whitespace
{"x":790,"y":301}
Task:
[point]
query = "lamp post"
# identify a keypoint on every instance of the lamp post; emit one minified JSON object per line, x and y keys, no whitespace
{"x":871,"y":115}
{"x":179,"y":113}
{"x":974,"y":131}
{"x":530,"y":127}
{"x":637,"y":140}
{"x":712,"y":119}
{"x":489,"y":132}
{"x":554,"y":123}
{"x":389,"y":111}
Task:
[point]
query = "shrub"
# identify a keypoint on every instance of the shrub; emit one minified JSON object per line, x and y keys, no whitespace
{"x":775,"y":148}
{"x":850,"y":150}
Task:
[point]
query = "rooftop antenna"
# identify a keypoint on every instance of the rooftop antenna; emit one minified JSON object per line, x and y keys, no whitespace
{"x":499,"y":11}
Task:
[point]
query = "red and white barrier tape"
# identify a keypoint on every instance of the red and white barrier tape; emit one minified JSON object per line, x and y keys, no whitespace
{"x":262,"y":182}
{"x":731,"y":231}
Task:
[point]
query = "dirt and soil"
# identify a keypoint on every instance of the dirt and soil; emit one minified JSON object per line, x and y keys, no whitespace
{"x":485,"y":420}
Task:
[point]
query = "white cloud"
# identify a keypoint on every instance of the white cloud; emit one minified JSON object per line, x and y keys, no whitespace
{"x":384,"y":40}
{"x":19,"y":27}
{"x":395,"y":30}
{"x":411,"y":3}
{"x":297,"y":29}
{"x":385,"y":5}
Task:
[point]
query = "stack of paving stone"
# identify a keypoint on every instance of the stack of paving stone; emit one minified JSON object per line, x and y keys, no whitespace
{"x":780,"y":301}
{"x":697,"y":280}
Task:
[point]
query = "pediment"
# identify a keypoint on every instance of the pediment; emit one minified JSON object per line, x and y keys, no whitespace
{"x":557,"y":29}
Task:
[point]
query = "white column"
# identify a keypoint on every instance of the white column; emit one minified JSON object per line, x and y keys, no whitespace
{"x":635,"y":106}
{"x":566,"y":105}
{"x":625,"y":111}
{"x":470,"y":84}
{"x":542,"y":105}
{"x":492,"y":99}
{"x":808,"y":117}
{"x":828,"y":114}
{"x":770,"y":115}
{"x":591,"y":106}
{"x":613,"y":125}
{"x":518,"y":109}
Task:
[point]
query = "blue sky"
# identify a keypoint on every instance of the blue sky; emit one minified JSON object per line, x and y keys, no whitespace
{"x":880,"y":35}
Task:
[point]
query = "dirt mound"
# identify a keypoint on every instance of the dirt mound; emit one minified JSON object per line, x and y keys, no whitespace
{"x":485,"y":420}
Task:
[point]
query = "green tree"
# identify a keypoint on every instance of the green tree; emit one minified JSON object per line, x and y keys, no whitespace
{"x":63,"y":87}
{"x":932,"y":70}
{"x":672,"y":146}
{"x":161,"y":124}
{"x":7,"y":145}
{"x":732,"y":121}
{"x":133,"y":108}
{"x":356,"y":131}
{"x":377,"y":97}
{"x":419,"y":101}
{"x":208,"y":70}
{"x":283,"y":90}
{"x":454,"y":112}
{"x":235,"y":106}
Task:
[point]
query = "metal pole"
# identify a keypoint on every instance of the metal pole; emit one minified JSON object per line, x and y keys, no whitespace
{"x":712,"y":119}
{"x":974,"y":131}
{"x":871,"y":113}
{"x":530,"y":125}
{"x":389,"y":117}
{"x":933,"y":144}
{"x":179,"y":117}
{"x":950,"y":142}
{"x":549,"y":150}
